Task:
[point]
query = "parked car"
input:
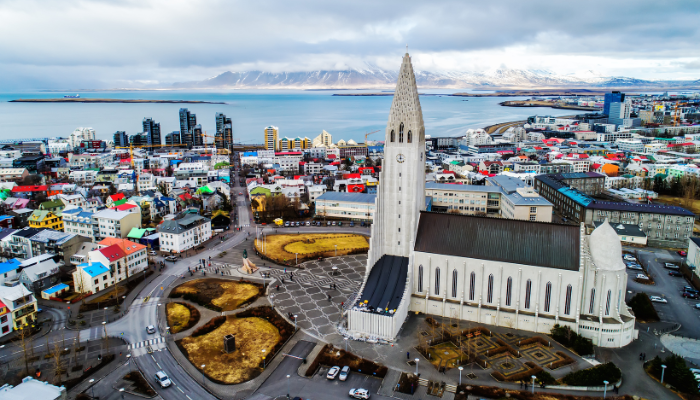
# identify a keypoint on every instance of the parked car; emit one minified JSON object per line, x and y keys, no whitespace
{"x":286,"y":224}
{"x":657,"y":299}
{"x":329,"y":223}
{"x":690,"y":289}
{"x":171,"y":258}
{"x":635,"y":267}
{"x":629,"y":257}
{"x":671,"y":266}
{"x":344,"y":373}
{"x":690,"y":295}
{"x":682,"y":253}
{"x":152,"y":252}
{"x":642,"y":277}
{"x":359,"y":393}
{"x":151,"y":329}
{"x":340,"y":223}
{"x":333,"y":223}
{"x":162,"y":379}
{"x":674,"y":273}
{"x":333,"y":372}
{"x":352,"y":223}
{"x":308,"y":223}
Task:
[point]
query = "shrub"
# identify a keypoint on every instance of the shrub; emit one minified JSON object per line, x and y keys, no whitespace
{"x":545,"y":377}
{"x":677,"y":373}
{"x":566,"y":360}
{"x":643,"y":308}
{"x":572,"y":340}
{"x":594,"y":376}
{"x":209,"y":326}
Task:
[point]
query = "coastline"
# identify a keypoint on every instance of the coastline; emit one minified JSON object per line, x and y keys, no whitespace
{"x":534,"y":103}
{"x":74,"y":100}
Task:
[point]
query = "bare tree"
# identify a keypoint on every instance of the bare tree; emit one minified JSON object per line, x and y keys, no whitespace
{"x":58,"y":368}
{"x":690,"y":186}
{"x":24,"y":343}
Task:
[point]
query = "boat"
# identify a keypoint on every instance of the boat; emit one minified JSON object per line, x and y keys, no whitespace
{"x":77,"y":96}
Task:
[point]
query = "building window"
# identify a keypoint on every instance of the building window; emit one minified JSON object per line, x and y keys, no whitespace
{"x":489,"y":292}
{"x":472,"y":285}
{"x":528,"y":291}
{"x":607,"y":303}
{"x":420,"y":278}
{"x":509,"y":286}
{"x":567,"y":302}
{"x":437,"y":281}
{"x":393,"y":135}
{"x":410,"y":138}
{"x":590,"y":307}
{"x":547,"y":296}
{"x":401,"y":133}
{"x":454,"y":283}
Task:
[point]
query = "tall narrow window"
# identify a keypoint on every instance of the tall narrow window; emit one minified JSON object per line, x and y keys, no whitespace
{"x":437,"y":281}
{"x":567,"y":302}
{"x":401,"y":133}
{"x":420,"y":279}
{"x":489,"y":292}
{"x":590,"y":308}
{"x":547,"y":296}
{"x":528,"y":291}
{"x":454,"y":283}
{"x":607,"y":303}
{"x":410,"y":137}
{"x":472,"y":285}
{"x":509,"y":287}
{"x":393,"y":136}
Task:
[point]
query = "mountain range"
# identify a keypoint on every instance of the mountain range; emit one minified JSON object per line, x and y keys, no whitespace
{"x":376,"y":78}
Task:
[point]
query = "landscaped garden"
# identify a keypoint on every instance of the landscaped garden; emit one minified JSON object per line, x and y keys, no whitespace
{"x":181,"y":316}
{"x":255,"y":330}
{"x":218,"y":294}
{"x":291,"y":248}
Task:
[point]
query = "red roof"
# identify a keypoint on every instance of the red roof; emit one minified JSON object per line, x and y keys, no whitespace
{"x":21,"y":189}
{"x":117,"y":197}
{"x":363,"y":169}
{"x":352,"y":176}
{"x":331,"y":156}
{"x":302,"y":163}
{"x":185,"y":196}
{"x":596,"y":166}
{"x":335,"y":163}
{"x":124,"y":207}
{"x":113,"y":252}
{"x":288,"y":153}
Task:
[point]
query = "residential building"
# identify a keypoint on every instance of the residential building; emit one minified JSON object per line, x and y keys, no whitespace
{"x":21,"y":244}
{"x":123,"y":257}
{"x":13,"y":174}
{"x":92,"y":277}
{"x":31,"y":388}
{"x":121,"y":139}
{"x":271,"y":137}
{"x":9,"y":270}
{"x":358,"y":207}
{"x":112,"y":223}
{"x":325,"y":139}
{"x":45,"y":219}
{"x":39,"y":273}
{"x":5,"y":323}
{"x":224,"y":132}
{"x":78,"y":221}
{"x":60,"y":244}
{"x":185,"y":233}
{"x":188,"y":122}
{"x":21,"y":303}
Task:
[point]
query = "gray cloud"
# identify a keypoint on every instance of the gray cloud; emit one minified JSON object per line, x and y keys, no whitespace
{"x":78,"y":43}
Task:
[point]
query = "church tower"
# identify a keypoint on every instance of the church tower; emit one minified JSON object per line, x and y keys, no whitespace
{"x":402,"y":181}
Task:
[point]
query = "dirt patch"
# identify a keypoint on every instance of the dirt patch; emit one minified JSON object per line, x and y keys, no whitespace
{"x":282,"y":248}
{"x":139,"y":384}
{"x":408,"y":383}
{"x":181,"y":316}
{"x":218,"y":294}
{"x":331,"y":356}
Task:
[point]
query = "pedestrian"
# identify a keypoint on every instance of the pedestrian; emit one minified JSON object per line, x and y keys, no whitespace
{"x":283,"y":281}
{"x":408,"y":355}
{"x":329,"y":297}
{"x":278,"y":288}
{"x":640,"y":356}
{"x":616,"y":389}
{"x":285,"y":270}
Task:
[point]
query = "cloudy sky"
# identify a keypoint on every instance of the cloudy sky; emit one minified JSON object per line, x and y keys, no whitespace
{"x":132,"y":43}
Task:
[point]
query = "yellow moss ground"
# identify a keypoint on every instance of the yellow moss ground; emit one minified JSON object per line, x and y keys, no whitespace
{"x":108,"y":295}
{"x":252,"y":336}
{"x":234,"y":293}
{"x":178,"y":316}
{"x":282,"y":248}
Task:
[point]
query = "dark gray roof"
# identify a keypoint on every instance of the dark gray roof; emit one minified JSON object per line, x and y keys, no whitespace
{"x":696,"y":241}
{"x":386,"y":282}
{"x":514,"y":241}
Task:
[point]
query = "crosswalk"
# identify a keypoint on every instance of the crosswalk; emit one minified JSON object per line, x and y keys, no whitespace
{"x":150,"y":342}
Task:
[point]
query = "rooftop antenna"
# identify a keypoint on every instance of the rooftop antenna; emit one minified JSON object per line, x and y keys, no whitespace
{"x":407,"y":49}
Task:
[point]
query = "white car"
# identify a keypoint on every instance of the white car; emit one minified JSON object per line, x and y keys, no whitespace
{"x":162,"y":379}
{"x":332,"y":373}
{"x":153,"y":253}
{"x":344,"y":373}
{"x":657,"y":299}
{"x":642,"y":277}
{"x":151,"y":329}
{"x":629,"y":257}
{"x":359,"y":393}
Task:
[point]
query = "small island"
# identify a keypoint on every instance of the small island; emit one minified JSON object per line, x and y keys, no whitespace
{"x":83,"y":100}
{"x":542,"y":103}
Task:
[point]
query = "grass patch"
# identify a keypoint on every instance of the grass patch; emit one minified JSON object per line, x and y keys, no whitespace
{"x":282,"y":248}
{"x":181,"y":317}
{"x":109,"y":295}
{"x":252,"y":336}
{"x":218,"y":294}
{"x":676,"y":201}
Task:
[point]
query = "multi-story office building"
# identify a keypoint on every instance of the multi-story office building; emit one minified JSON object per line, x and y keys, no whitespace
{"x":224,"y":132}
{"x":610,"y":98}
{"x":181,"y":234}
{"x":271,"y":135}
{"x":173,"y":138}
{"x":121,"y":139}
{"x":197,"y":138}
{"x":188,"y":121}
{"x":620,"y":112}
{"x":350,"y":206}
{"x":152,"y":131}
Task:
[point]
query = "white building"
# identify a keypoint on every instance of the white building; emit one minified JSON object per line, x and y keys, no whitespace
{"x":31,"y":388}
{"x":92,"y":277}
{"x":188,"y":232}
{"x":346,"y":206}
{"x":112,"y":223}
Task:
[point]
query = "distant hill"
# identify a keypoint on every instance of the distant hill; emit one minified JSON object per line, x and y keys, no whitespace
{"x":375,"y":78}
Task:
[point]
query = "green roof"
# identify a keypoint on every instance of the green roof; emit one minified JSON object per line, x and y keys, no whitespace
{"x":51,"y":204}
{"x":260,"y":190}
{"x":205,"y":189}
{"x":662,"y":176}
{"x":119,"y":202}
{"x":627,"y":176}
{"x":38,"y":215}
{"x":136,"y":233}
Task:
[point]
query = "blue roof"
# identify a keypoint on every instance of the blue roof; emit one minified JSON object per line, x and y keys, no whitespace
{"x":163,"y":198}
{"x":576,"y":196}
{"x":349,"y":197}
{"x":57,"y":288}
{"x":96,"y":269}
{"x":2,"y":217}
{"x":250,"y":154}
{"x":9,"y":265}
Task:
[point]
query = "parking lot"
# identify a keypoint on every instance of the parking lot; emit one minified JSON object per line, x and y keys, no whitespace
{"x":678,"y":310}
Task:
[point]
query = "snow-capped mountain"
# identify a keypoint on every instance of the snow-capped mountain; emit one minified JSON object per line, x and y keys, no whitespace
{"x":372,"y":77}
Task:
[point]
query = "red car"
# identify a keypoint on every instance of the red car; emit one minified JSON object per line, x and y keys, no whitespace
{"x":682,"y":253}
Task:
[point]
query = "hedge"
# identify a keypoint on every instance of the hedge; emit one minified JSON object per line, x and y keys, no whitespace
{"x":643,"y":308}
{"x":594,"y":376}
{"x":209,"y":326}
{"x":572,"y":340}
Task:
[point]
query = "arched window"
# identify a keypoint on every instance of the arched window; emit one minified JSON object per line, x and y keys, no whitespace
{"x":454,"y":283}
{"x":410,"y":137}
{"x":567,"y":302}
{"x":420,"y":279}
{"x":528,"y":291}
{"x":393,"y":136}
{"x":489,"y":292}
{"x":472,"y":285}
{"x":401,"y":133}
{"x":590,"y":308}
{"x":607,"y":303}
{"x":437,"y":281}
{"x":547,"y":296}
{"x":509,"y":287}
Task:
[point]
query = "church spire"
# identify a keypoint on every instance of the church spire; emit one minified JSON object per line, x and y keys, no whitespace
{"x":405,"y":108}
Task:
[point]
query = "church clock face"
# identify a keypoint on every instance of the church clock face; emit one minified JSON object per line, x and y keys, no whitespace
{"x":400,"y":158}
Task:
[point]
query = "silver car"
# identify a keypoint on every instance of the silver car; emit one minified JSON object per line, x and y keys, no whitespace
{"x":151,"y":329}
{"x":162,"y":379}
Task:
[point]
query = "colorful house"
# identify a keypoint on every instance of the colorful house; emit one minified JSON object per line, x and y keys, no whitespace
{"x":45,"y":219}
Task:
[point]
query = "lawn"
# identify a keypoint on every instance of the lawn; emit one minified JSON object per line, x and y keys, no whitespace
{"x":282,"y":248}
{"x":108,"y":295}
{"x":181,"y":316}
{"x":252,"y":336}
{"x":222,"y":294}
{"x":676,"y":201}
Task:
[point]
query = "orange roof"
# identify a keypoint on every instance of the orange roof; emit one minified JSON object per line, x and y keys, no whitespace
{"x":128,"y":246}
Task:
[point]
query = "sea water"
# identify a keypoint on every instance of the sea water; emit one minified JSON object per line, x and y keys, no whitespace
{"x":295,"y":112}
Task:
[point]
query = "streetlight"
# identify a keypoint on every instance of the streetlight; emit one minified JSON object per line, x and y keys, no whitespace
{"x":287,"y":386}
{"x":203,"y":382}
{"x":92,"y":387}
{"x":416,"y":360}
{"x":296,"y":258}
{"x":263,"y":352}
{"x":605,"y":390}
{"x":460,"y":373}
{"x":336,"y":250}
{"x":295,"y":322}
{"x":122,"y":392}
{"x":663,"y":369}
{"x":346,"y":344}
{"x":533,"y":384}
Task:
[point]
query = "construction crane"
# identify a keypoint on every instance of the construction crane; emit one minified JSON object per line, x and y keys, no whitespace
{"x":369,"y":133}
